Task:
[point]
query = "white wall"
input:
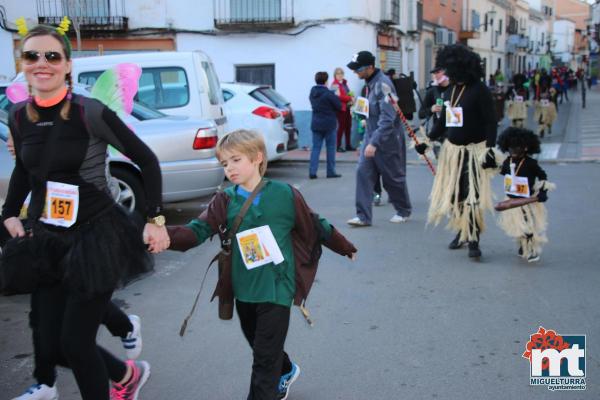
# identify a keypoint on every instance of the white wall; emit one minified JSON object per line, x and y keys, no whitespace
{"x":7,"y":63}
{"x":296,"y":58}
{"x":14,"y":9}
{"x":535,"y":30}
{"x":153,"y":13}
{"x":535,"y":4}
{"x":564,"y":37}
{"x":198,"y":15}
{"x":596,"y":13}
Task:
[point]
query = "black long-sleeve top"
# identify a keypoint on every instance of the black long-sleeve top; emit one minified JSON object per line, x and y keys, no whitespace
{"x":479,"y":116}
{"x":79,"y":158}
{"x":530,"y":169}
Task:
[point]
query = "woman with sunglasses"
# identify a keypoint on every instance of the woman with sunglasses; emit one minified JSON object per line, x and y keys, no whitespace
{"x":89,"y":239}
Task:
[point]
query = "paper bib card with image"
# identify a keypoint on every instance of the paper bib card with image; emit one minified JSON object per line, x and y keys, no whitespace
{"x":258,"y":247}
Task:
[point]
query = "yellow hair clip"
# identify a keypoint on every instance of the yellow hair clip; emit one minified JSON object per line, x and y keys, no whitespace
{"x":63,"y":27}
{"x":21,"y":26}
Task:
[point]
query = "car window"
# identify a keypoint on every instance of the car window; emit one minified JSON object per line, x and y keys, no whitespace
{"x":144,"y":113}
{"x":89,"y":78}
{"x":4,"y":103}
{"x":274,"y":96}
{"x":257,"y":95}
{"x":3,"y":131}
{"x":227,"y":95}
{"x":163,"y":87}
{"x":214,"y":94}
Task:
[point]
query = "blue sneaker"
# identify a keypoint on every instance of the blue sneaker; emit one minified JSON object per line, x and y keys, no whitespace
{"x":286,"y":381}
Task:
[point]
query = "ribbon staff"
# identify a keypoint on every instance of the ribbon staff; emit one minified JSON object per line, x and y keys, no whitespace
{"x":387,"y":91}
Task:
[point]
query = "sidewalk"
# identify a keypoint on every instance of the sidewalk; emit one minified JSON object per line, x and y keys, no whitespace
{"x":589,"y":129}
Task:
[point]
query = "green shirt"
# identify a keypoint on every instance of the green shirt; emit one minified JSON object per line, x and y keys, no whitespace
{"x":268,"y":283}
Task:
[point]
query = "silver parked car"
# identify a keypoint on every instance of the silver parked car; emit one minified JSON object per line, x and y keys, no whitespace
{"x":6,"y":162}
{"x":185,"y":148}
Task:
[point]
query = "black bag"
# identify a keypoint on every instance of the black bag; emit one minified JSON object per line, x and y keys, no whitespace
{"x":26,"y":262}
{"x":25,"y":266}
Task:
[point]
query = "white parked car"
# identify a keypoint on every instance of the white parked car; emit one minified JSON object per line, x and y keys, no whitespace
{"x":245,"y":112}
{"x":174,"y":82}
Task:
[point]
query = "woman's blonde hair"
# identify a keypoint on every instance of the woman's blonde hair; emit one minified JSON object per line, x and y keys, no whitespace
{"x":338,"y":69}
{"x":249,"y":143}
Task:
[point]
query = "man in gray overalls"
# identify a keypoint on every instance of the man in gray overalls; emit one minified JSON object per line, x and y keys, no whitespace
{"x":383,"y":151}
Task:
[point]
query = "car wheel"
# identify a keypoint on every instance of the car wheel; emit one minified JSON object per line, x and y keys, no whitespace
{"x":130,"y":193}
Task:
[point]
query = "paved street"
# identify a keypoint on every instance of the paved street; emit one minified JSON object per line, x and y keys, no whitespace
{"x":409,"y":319}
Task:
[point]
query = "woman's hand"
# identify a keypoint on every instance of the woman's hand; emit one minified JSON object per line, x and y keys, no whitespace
{"x":156,"y":237}
{"x":14,"y":226}
{"x":10,"y":145}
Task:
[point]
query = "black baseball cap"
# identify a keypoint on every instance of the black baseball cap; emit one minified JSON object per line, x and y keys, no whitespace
{"x":436,"y":70}
{"x":361,"y":59}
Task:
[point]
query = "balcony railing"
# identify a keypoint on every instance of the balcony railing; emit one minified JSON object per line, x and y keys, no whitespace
{"x":252,"y":14}
{"x":92,"y":15}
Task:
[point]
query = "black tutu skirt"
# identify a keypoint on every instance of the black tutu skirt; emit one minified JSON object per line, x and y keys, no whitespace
{"x":99,"y":255}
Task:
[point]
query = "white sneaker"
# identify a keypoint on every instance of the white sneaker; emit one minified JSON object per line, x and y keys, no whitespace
{"x":398,"y":219}
{"x":357,"y":222}
{"x":39,"y":392}
{"x":133,"y":341}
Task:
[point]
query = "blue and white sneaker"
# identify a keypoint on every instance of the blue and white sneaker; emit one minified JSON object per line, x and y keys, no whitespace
{"x":286,"y":381}
{"x":39,"y":392}
{"x":133,"y":341}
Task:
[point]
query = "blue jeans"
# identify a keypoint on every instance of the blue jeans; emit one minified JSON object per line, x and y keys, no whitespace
{"x":317,"y":141}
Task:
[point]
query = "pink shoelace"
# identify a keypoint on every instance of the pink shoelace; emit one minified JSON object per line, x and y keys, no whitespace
{"x":122,"y":392}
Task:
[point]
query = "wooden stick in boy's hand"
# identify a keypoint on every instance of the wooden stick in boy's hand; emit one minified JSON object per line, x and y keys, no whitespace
{"x":392,"y":99}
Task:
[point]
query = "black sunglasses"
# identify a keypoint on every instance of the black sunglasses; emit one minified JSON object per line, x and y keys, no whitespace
{"x":32,"y":56}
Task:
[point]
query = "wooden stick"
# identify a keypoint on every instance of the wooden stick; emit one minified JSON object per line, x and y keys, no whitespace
{"x":411,"y":132}
{"x":516,"y":202}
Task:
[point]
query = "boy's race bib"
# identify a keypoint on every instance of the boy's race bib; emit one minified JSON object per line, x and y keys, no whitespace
{"x":362,"y":106}
{"x":519,"y":99}
{"x":454,"y":117}
{"x":258,"y":247}
{"x":545,"y":102}
{"x":519,"y":186}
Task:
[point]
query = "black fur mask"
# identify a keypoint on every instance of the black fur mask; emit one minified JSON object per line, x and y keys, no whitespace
{"x":461,"y":64}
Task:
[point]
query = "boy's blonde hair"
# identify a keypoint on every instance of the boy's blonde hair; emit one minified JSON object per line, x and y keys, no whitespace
{"x":247,"y":142}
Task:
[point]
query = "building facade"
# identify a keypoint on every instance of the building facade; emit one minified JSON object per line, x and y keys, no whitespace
{"x":441,"y":26}
{"x":517,"y":40}
{"x":486,"y":21}
{"x":277,"y":42}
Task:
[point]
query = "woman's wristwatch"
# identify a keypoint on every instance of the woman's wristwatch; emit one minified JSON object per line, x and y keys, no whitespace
{"x":159,"y":220}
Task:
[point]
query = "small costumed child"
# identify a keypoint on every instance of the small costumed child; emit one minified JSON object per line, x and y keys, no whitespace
{"x":524,"y":178}
{"x":546,"y":110}
{"x":517,"y":101}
